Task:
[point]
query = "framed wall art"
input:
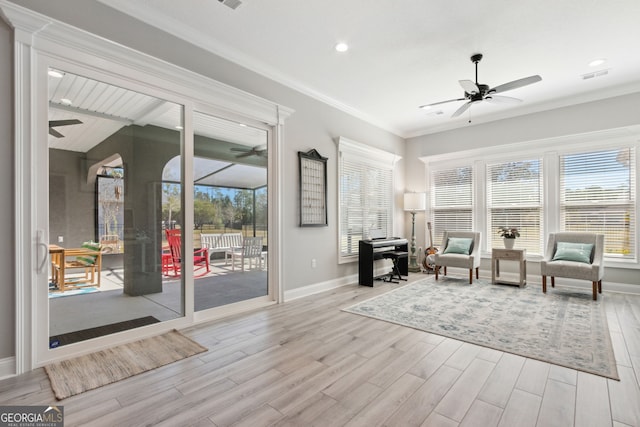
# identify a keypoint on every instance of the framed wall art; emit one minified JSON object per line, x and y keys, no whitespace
{"x":313,"y":189}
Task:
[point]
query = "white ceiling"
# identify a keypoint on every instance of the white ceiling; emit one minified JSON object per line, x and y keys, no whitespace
{"x":406,"y":53}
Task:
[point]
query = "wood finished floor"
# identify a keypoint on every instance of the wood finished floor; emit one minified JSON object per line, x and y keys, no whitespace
{"x":306,"y":363}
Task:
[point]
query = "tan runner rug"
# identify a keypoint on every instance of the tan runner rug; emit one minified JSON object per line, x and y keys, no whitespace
{"x":82,"y":373}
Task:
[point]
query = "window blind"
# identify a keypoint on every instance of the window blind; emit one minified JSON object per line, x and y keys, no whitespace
{"x":597,"y":194}
{"x":451,"y":201}
{"x":366,"y":200}
{"x":514,"y":199}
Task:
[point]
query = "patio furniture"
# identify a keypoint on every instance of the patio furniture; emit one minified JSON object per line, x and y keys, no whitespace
{"x":251,"y":250}
{"x":75,"y":267}
{"x":220,"y":242}
{"x":200,"y":256}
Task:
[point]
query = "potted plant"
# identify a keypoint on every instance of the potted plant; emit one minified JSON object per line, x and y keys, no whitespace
{"x":509,"y":235}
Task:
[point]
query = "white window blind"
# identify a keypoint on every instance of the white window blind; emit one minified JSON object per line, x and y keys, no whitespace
{"x":366,"y":197}
{"x":597,"y":194}
{"x":451,"y":201}
{"x":514,"y":199}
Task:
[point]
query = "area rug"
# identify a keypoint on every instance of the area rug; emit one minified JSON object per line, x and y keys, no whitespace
{"x":99,"y":331}
{"x":563,"y":327}
{"x":77,"y":375}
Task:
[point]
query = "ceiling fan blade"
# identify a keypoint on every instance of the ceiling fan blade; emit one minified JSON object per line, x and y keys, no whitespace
{"x":243,"y":150}
{"x":469,"y":86}
{"x":515,"y":84}
{"x":55,"y":123}
{"x":441,"y":102}
{"x":55,"y":133}
{"x":462,"y":109}
{"x":245,"y":154}
{"x":501,"y":99}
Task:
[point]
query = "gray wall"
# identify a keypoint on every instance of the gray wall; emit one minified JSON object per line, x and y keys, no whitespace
{"x":588,"y":117}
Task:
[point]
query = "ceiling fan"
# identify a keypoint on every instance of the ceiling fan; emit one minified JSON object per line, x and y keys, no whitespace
{"x":476,"y":92}
{"x":56,"y":123}
{"x":258,"y":150}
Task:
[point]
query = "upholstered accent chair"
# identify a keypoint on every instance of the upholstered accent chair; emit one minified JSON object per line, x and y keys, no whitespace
{"x":459,"y":249}
{"x":574,"y":255}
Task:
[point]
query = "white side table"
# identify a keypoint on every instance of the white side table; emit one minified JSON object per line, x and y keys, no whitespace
{"x":519,"y":255}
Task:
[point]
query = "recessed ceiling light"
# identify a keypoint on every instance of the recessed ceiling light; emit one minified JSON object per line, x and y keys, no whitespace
{"x":243,"y":125}
{"x":55,"y":73}
{"x":179,"y":127}
{"x":66,"y":101}
{"x":425,"y":107}
{"x":342,"y":47}
{"x":597,"y":62}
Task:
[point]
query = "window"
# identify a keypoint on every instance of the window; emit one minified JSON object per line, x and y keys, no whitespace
{"x":575,"y":183}
{"x":365,"y":185}
{"x":514,"y":199}
{"x":597,"y":194}
{"x":451,"y":200}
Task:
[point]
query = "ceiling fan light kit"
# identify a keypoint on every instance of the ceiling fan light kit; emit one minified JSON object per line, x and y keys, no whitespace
{"x":475,"y":92}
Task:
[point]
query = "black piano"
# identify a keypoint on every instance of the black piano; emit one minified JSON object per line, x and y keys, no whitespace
{"x":374,"y":249}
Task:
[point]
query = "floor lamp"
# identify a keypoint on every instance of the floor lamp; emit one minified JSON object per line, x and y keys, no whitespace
{"x":414,"y":202}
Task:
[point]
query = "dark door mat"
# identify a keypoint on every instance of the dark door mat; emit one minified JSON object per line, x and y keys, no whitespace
{"x":99,"y":331}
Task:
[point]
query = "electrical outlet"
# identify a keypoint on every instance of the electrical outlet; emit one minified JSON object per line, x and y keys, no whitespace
{"x":60,"y":239}
{"x":313,"y":263}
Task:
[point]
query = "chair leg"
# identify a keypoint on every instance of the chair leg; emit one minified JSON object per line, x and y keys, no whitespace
{"x":471,"y":276}
{"x":544,"y":284}
{"x":435,"y":268}
{"x":599,"y":286}
{"x":477,"y":272}
{"x":445,"y":270}
{"x":553,"y":282}
{"x":595,"y":290}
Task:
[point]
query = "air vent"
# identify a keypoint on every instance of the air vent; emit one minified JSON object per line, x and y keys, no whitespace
{"x":595,"y":74}
{"x":233,"y":4}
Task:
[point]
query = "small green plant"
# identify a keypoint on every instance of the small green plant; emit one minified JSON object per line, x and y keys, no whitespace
{"x":508,"y":232}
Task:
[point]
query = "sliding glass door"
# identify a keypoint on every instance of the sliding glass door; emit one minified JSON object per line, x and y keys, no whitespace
{"x":107,"y":149}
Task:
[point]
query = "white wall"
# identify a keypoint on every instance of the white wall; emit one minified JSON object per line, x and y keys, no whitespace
{"x":594,"y":116}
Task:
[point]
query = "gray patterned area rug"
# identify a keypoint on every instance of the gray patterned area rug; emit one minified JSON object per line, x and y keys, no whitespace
{"x":563,"y":327}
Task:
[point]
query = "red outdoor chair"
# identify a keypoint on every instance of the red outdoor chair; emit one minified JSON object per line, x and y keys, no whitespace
{"x":200,"y":256}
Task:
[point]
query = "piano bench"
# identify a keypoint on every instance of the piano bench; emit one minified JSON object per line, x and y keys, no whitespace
{"x":395,"y":256}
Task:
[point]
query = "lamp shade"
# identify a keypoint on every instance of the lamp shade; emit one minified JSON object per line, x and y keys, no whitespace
{"x":415,"y":201}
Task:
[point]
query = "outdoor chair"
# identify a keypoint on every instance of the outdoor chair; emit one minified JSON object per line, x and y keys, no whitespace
{"x":77,"y":267}
{"x":251,"y":250}
{"x":459,"y":249}
{"x":200,"y":256}
{"x":574,"y":255}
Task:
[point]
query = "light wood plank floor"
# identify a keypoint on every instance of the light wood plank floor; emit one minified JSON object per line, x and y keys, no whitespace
{"x":306,"y":363}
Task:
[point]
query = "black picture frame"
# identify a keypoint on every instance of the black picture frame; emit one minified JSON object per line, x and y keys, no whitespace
{"x":313,"y":189}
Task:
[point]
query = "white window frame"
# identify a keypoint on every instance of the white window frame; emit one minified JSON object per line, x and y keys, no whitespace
{"x":550,"y":151}
{"x":369,"y":157}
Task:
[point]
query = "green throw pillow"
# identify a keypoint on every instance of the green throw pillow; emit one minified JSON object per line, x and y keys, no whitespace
{"x":458,"y":245}
{"x":578,"y":252}
{"x":89,"y":259}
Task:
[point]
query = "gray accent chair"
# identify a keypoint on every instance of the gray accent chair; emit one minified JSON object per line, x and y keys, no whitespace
{"x":593,"y":271}
{"x":470,"y":262}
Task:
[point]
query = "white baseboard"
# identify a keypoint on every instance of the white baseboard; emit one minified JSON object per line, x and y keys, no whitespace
{"x":305,"y":291}
{"x":7,"y":367}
